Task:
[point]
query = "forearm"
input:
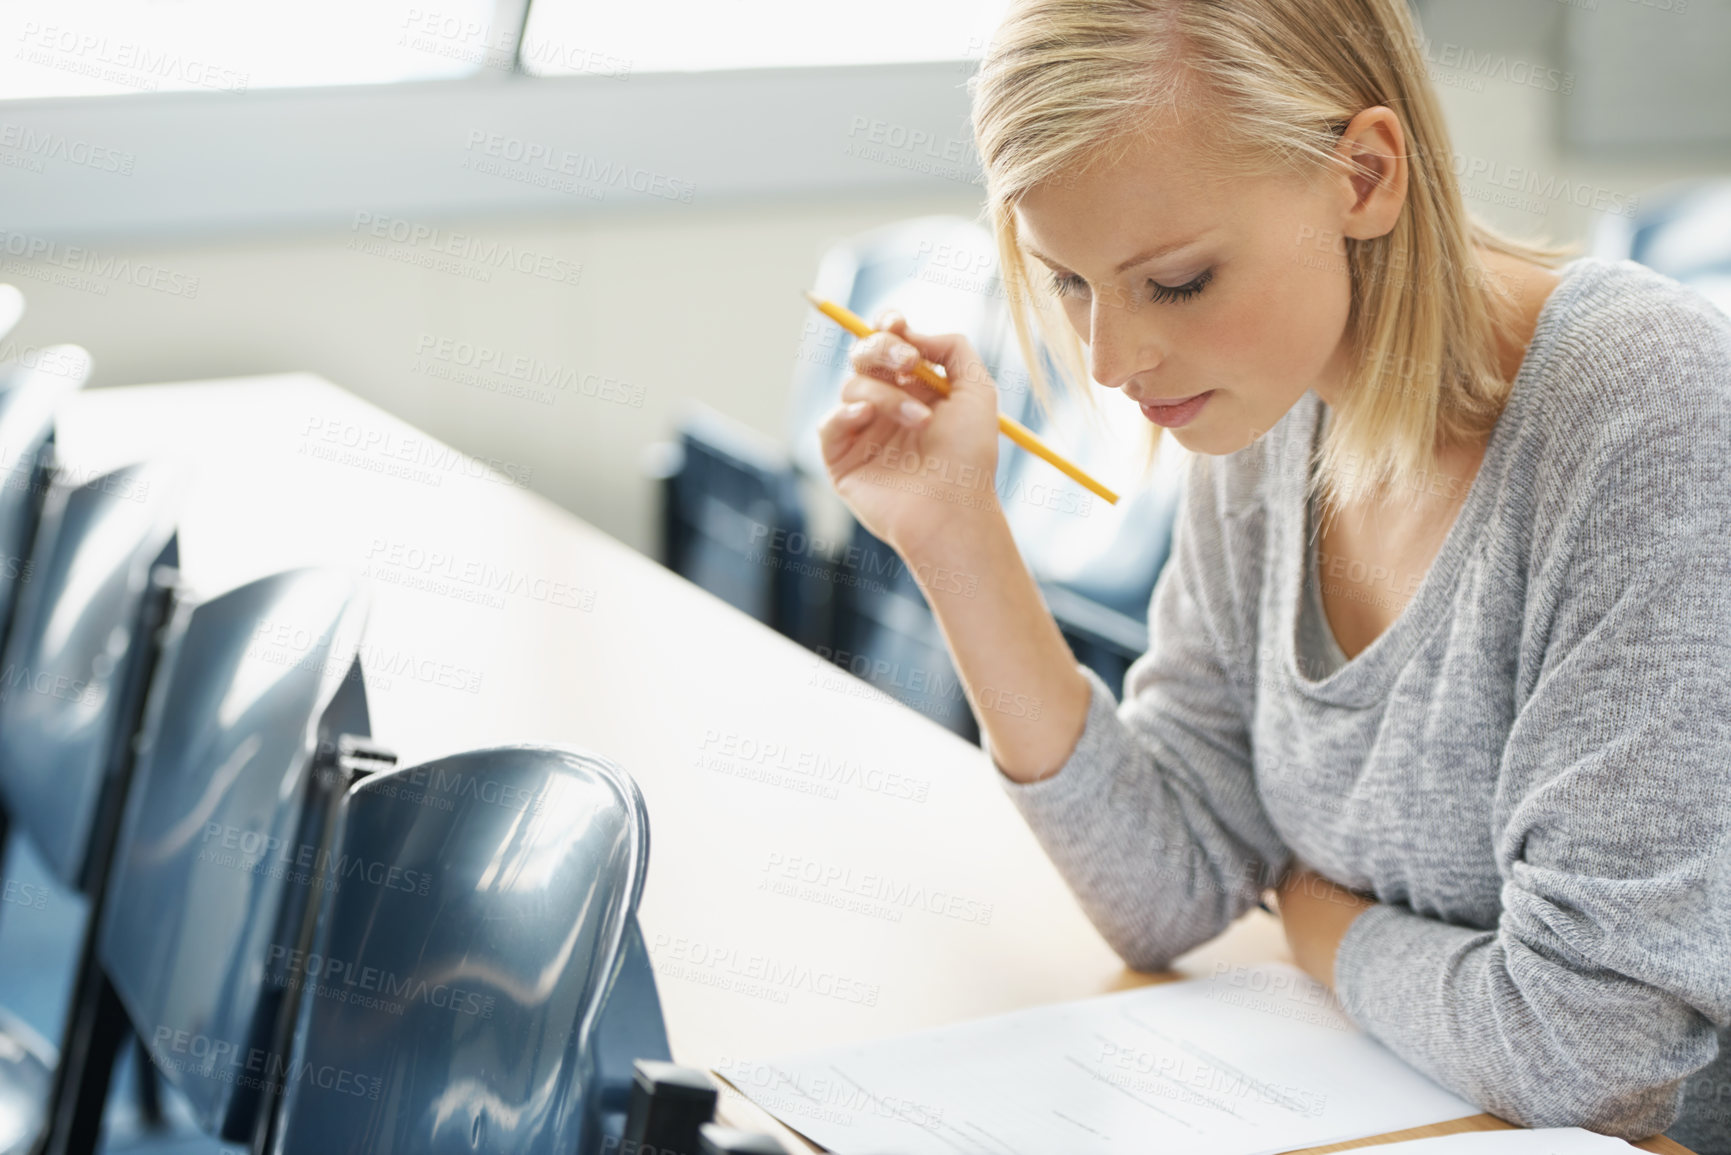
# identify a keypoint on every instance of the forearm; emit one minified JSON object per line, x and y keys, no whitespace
{"x":1526,"y":1029}
{"x":1149,"y":810}
{"x":1316,"y":914}
{"x":1016,"y":669}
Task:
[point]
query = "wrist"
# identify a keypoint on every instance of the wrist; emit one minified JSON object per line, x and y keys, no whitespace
{"x":966,"y":541}
{"x":1316,"y":914}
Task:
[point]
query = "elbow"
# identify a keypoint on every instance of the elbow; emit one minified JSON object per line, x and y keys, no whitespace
{"x":1143,"y":944}
{"x":1558,"y":1093}
{"x":1155,"y":935}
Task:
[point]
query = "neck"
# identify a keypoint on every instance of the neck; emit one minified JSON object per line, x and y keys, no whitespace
{"x":1518,"y":289}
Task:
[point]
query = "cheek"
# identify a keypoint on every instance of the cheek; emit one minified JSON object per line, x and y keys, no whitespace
{"x":1272,"y":340}
{"x":1312,"y":310}
{"x":1285,"y":325}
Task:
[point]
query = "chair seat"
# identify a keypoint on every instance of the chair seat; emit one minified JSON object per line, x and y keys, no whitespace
{"x":26,"y":1070}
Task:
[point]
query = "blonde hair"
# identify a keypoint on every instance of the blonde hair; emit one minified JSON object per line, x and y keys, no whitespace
{"x":1067,"y":84}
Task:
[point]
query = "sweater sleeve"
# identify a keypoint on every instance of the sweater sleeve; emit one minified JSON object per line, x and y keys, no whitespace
{"x":1154,"y":819}
{"x":1599,"y":990}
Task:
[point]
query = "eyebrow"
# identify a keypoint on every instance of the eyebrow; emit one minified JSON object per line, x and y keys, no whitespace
{"x":1139,"y":258}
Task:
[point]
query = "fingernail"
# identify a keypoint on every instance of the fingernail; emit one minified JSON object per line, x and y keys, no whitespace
{"x":902,"y":356}
{"x":913,"y":411}
{"x":857,"y":408}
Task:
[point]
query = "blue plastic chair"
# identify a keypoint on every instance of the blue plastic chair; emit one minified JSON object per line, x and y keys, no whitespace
{"x":72,"y":683}
{"x":26,"y":1074}
{"x":733,"y":524}
{"x":885,"y":634}
{"x":29,"y":395}
{"x":250,"y":740}
{"x":496,"y":1000}
{"x":1683,"y":232}
{"x":78,"y":658}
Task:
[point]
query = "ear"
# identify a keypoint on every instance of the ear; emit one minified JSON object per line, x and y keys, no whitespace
{"x":1373,"y":173}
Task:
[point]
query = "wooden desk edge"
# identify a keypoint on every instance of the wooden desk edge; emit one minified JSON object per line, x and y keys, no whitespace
{"x":735,"y":1109}
{"x":1657,"y":1144}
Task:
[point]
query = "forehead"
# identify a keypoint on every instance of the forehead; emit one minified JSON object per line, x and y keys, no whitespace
{"x":1159,"y":185}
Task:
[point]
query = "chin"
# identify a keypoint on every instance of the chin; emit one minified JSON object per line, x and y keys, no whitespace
{"x":1213,"y":438}
{"x":1201,"y":441}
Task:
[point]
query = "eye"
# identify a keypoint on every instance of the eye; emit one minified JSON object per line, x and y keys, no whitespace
{"x":1065,"y":284}
{"x":1161,"y":293}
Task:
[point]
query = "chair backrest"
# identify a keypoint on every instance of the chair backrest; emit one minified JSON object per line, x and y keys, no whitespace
{"x":221,"y":842}
{"x":30,"y":391}
{"x":885,"y":633}
{"x":492,"y":994}
{"x":729,"y":501}
{"x":1111,"y":554}
{"x":734,"y":524}
{"x":79,"y":656}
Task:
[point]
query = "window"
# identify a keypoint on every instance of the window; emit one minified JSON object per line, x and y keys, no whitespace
{"x":97,"y":47}
{"x":565,"y":37}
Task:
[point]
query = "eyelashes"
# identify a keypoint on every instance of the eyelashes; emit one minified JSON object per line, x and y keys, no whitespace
{"x":1181,"y":292}
{"x":1064,"y":284}
{"x":1068,"y":284}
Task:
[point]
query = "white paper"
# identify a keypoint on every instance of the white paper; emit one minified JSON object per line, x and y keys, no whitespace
{"x":1545,"y":1141}
{"x":1250,"y":1062}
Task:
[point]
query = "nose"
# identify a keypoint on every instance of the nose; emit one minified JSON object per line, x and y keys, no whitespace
{"x":1120,"y":342}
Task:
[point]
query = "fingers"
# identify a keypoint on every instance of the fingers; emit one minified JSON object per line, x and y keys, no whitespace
{"x":891,"y":352}
{"x":955,"y":354}
{"x":887,"y":358}
{"x":886,"y":400}
{"x":838,"y":428}
{"x":892,"y":321}
{"x":886,"y":354}
{"x":866,"y":403}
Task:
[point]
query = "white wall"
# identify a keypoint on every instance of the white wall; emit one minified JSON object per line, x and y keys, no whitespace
{"x":672,"y":303}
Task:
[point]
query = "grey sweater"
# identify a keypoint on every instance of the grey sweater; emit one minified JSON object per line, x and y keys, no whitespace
{"x":1530,"y":770}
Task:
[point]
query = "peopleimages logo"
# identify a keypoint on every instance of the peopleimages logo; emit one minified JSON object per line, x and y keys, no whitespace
{"x":252,"y":850}
{"x":583,"y":168}
{"x":366,"y":986}
{"x":40,"y":144}
{"x":94,"y":270}
{"x":224,"y":1061}
{"x":54,"y":685}
{"x":24,"y":894}
{"x":128,"y":62}
{"x":456,"y":784}
{"x":1541,"y":187}
{"x":488,"y":253}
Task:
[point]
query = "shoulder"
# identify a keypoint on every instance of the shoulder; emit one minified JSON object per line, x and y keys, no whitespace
{"x":1622,"y":443}
{"x":1628,"y":361}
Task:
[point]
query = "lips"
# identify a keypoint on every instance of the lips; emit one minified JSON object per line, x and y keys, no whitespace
{"x":1178,"y":413}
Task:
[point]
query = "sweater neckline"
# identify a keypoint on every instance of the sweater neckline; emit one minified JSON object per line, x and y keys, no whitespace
{"x":1367,"y":677}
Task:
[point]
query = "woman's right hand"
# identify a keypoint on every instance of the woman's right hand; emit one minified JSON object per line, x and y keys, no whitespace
{"x":909,"y":462}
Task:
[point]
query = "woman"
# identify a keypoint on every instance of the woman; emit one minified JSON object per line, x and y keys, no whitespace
{"x":1443,"y":649}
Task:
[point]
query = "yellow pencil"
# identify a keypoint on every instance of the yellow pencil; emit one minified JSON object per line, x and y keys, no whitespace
{"x":934,"y":377}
